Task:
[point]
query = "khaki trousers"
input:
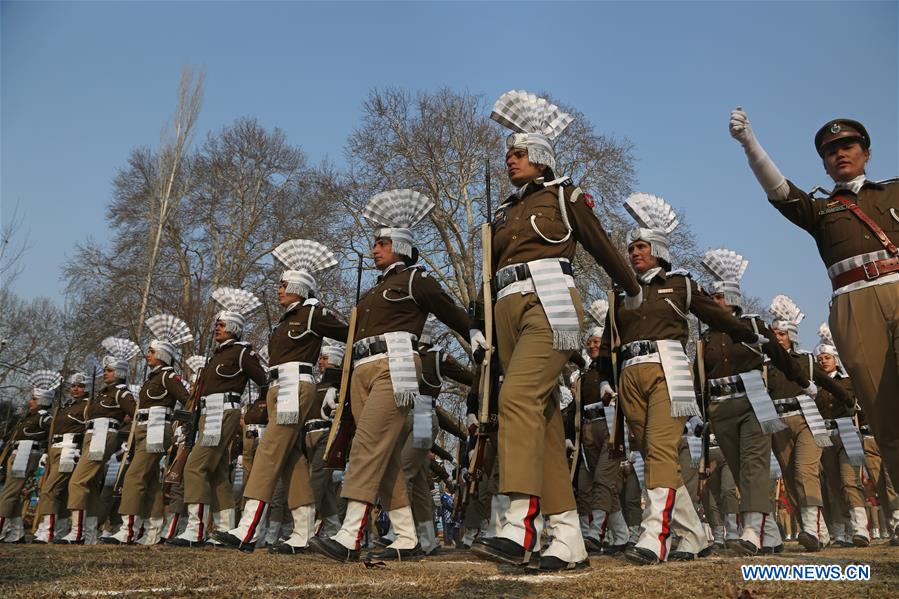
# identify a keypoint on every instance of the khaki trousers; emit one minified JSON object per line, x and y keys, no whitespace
{"x":282,"y":453}
{"x":86,"y":483}
{"x":207,"y":471}
{"x":865,"y":326}
{"x":417,"y":466}
{"x":630,"y":496}
{"x":597,"y":483}
{"x":688,"y":472}
{"x":54,"y":486}
{"x":842,"y":478}
{"x":799,"y":459}
{"x":883,"y":486}
{"x":11,"y":495}
{"x":323,"y":486}
{"x":531,"y":434}
{"x":250,"y":444}
{"x":478,"y":509}
{"x":720,"y":493}
{"x":143,"y":481}
{"x":746,"y":449}
{"x":644,"y":398}
{"x":375,"y":467}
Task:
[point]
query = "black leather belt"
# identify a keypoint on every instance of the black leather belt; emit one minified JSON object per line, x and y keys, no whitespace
{"x":594,"y":411}
{"x":720,"y":390}
{"x":78,"y":438}
{"x":520,"y":272}
{"x":637,"y":349}
{"x":830,"y":424}
{"x":252,"y":434}
{"x":273,"y":373}
{"x":865,"y":430}
{"x":37,"y":446}
{"x":143,"y":417}
{"x":232,"y":400}
{"x":113,"y":425}
{"x":790,"y":406}
{"x":369,"y":349}
{"x":316,"y":425}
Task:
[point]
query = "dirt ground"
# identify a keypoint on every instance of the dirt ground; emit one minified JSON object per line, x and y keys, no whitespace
{"x":101,"y":571}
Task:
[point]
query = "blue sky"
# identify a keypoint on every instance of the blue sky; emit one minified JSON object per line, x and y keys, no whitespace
{"x":84,"y":83}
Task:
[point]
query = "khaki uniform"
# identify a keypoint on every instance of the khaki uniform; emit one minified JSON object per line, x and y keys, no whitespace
{"x":323,"y":486}
{"x":282,"y":451}
{"x":142,"y":480}
{"x":255,"y":417}
{"x":597,"y":483}
{"x":843,"y":480}
{"x":86,"y":484}
{"x":54,"y":485}
{"x":399,"y":301}
{"x":864,"y":321}
{"x":207,"y":471}
{"x":719,"y":497}
{"x":34,"y":427}
{"x":745,"y":446}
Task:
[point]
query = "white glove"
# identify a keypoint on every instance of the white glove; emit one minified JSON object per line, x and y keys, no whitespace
{"x":767,"y":174}
{"x":478,"y":341}
{"x":569,"y":445}
{"x":605,"y":390}
{"x":472,"y":421}
{"x":42,"y":463}
{"x":632,"y":302}
{"x":811,"y":390}
{"x":337,"y":476}
{"x":761,"y":340}
{"x":329,"y":403}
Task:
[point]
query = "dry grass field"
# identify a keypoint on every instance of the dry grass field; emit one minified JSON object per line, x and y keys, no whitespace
{"x":100,"y":571}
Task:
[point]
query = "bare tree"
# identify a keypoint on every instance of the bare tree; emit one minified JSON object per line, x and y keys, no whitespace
{"x":12,"y":250}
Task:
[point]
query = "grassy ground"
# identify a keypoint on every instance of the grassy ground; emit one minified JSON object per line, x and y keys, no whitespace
{"x":52,"y":571}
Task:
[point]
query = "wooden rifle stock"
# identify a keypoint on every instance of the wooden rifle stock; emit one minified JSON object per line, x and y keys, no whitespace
{"x":341,"y":428}
{"x":704,"y":457}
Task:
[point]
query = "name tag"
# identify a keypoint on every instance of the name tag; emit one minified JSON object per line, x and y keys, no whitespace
{"x":499,"y":219}
{"x":661,"y":291}
{"x":832,"y":209}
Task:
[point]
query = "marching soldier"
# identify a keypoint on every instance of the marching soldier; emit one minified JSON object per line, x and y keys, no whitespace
{"x":324,"y":487}
{"x":538,"y":317}
{"x":152,"y":430}
{"x":884,"y":491}
{"x":64,"y":453}
{"x":798,"y":446}
{"x":597,"y":484}
{"x":655,"y":384}
{"x":856,"y":228}
{"x":104,"y":415}
{"x":292,"y":402}
{"x":386,"y":371}
{"x":220,"y":385}
{"x":27,"y":443}
{"x":741,"y":413}
{"x":843,"y":460}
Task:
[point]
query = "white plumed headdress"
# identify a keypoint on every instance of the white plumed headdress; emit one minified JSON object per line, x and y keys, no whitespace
{"x":195,"y":363}
{"x":727,"y":266}
{"x":787,"y":316}
{"x":396,"y":212}
{"x":536,"y":122}
{"x":303,"y":258}
{"x":334,"y":350}
{"x":427,"y":331}
{"x":44,"y":384}
{"x":120,"y":353}
{"x":597,"y":313}
{"x":826,"y":345}
{"x":657,"y":220}
{"x":170,"y":331}
{"x":237,"y":304}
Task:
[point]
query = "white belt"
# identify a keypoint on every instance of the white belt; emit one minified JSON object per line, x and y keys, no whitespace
{"x":838,"y":268}
{"x":525,"y":287}
{"x":653,"y":358}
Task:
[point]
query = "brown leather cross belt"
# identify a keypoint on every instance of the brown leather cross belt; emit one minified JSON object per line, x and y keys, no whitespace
{"x":866,"y":272}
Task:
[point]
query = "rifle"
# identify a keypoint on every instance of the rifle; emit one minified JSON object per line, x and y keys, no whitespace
{"x":576,"y":454}
{"x":441,"y":453}
{"x":616,"y":438}
{"x":174,"y":473}
{"x":451,"y":424}
{"x":339,"y":436}
{"x":704,"y":457}
{"x":125,"y":460}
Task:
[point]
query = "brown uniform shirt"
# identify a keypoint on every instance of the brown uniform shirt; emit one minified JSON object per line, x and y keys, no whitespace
{"x":657,"y":320}
{"x":231,"y":365}
{"x":779,"y":387}
{"x":401,"y":300}
{"x":515,"y":241}
{"x":70,"y":418}
{"x":298,"y":334}
{"x":437,"y":365}
{"x":723,"y":357}
{"x":831,"y":407}
{"x":838,"y":233}
{"x":162,"y":388}
{"x":112,"y":401}
{"x":590,"y":384}
{"x":257,"y":412}
{"x":34,"y":427}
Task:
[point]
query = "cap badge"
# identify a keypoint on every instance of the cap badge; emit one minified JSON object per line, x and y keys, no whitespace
{"x":835,"y":128}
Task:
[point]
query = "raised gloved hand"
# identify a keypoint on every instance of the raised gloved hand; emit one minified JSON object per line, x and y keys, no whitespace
{"x":632,"y":302}
{"x":329,"y":403}
{"x":811,"y":390}
{"x":606,"y":392}
{"x":740,"y":128}
{"x":766,"y":172}
{"x":478,"y":344}
{"x":569,"y":445}
{"x":471,"y":420}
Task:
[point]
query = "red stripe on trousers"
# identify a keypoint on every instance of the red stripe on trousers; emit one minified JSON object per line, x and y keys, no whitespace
{"x":52,"y":527}
{"x":762,"y":535}
{"x":200,"y":528}
{"x":530,"y":528}
{"x":130,"y":529}
{"x":666,"y":523}
{"x":80,"y":529}
{"x":362,"y":527}
{"x":604,"y":528}
{"x":252,"y":530}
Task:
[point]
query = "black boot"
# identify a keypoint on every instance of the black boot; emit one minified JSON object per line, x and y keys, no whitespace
{"x":499,"y":549}
{"x":333,"y":549}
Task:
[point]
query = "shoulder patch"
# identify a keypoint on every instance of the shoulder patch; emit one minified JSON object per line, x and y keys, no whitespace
{"x":311,"y":302}
{"x":244,"y":343}
{"x":43,"y":412}
{"x":566,"y":182}
{"x":588,"y":199}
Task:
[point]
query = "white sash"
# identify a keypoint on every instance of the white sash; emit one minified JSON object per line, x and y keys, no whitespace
{"x":69,"y":454}
{"x":97,"y":448}
{"x":678,"y":378}
{"x":20,"y":462}
{"x":422,"y":421}
{"x":815,"y":422}
{"x":695,"y":444}
{"x":112,"y":473}
{"x":214,"y":411}
{"x":761,"y":403}
{"x":401,"y":360}
{"x":774,"y":469}
{"x":552,"y":291}
{"x":639,"y":468}
{"x":852,"y":441}
{"x":156,"y":429}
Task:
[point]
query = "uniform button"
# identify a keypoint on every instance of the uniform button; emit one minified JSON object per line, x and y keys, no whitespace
{"x":368,"y":310}
{"x":867,"y":237}
{"x":515,"y":237}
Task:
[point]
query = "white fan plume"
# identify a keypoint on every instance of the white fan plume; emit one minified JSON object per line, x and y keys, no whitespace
{"x":304,"y":254}
{"x":652,"y":212}
{"x":45,"y":379}
{"x":825,"y":334}
{"x":237,"y":300}
{"x":172,"y":329}
{"x":783,"y":308}
{"x":725,"y":265}
{"x":598,"y":310}
{"x":195,"y":363}
{"x":524,"y":112}
{"x":123,"y":349}
{"x":400,"y":208}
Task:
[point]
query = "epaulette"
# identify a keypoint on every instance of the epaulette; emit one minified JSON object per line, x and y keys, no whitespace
{"x":311,"y":302}
{"x":435,"y":348}
{"x":681,"y":272}
{"x":164,"y":368}
{"x":887,"y":181}
{"x":244,"y":343}
{"x":567,"y":182}
{"x":43,"y":413}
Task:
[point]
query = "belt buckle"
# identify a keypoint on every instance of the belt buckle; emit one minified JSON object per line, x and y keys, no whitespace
{"x":868,"y":275}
